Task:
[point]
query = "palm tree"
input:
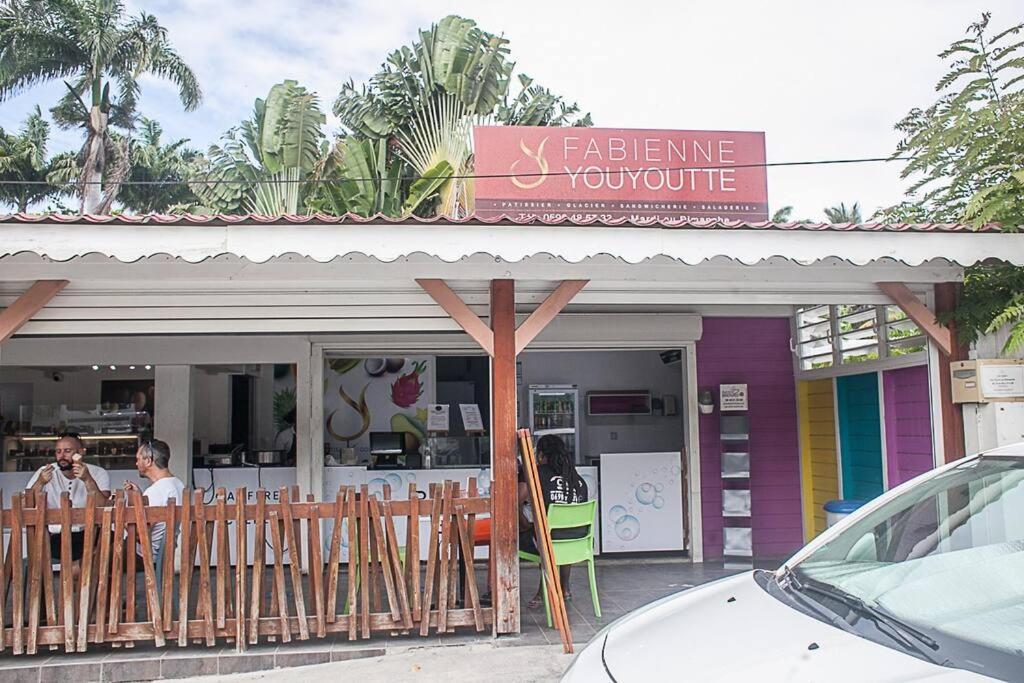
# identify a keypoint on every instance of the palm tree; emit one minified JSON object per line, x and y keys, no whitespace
{"x":427,"y":97}
{"x":157,"y":180}
{"x":90,"y":45}
{"x":23,"y":164}
{"x":782,"y":215}
{"x":841,"y":214}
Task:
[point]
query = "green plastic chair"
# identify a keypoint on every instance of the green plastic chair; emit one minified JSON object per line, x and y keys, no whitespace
{"x":570,"y":550}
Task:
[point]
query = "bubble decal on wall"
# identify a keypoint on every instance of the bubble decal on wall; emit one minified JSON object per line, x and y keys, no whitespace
{"x":616,"y":513}
{"x":375,"y":487}
{"x":394,"y":481}
{"x":659,"y":487}
{"x":627,"y":527}
{"x":410,"y":478}
{"x":483,"y":481}
{"x":658,"y":503}
{"x":646,"y":493}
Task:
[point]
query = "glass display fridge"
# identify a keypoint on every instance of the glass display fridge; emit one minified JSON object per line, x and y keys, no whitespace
{"x":554,"y":409}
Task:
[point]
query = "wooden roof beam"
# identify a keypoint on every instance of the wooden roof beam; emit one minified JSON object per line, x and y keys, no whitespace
{"x":469,"y":321}
{"x":27,"y":305}
{"x":922,"y":316}
{"x":546,"y":312}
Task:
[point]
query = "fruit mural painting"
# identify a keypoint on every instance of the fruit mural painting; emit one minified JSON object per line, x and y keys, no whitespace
{"x":361,"y":396}
{"x":407,"y":389}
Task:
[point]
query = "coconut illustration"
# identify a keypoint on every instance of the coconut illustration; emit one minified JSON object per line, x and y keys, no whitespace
{"x":394,"y":364}
{"x":375,"y":367}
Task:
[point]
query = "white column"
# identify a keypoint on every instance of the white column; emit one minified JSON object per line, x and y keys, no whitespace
{"x":174,"y":397}
{"x":309,"y":460}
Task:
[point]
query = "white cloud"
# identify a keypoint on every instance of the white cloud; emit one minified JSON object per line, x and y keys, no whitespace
{"x":823,"y":79}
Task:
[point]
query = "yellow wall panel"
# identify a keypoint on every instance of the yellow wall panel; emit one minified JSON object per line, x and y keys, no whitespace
{"x":820,"y":476}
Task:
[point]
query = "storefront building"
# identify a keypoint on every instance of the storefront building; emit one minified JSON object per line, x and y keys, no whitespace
{"x":717,"y":381}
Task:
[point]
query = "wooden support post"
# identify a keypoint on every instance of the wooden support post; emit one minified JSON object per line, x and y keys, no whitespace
{"x":953,"y":446}
{"x":27,"y":305}
{"x":504,"y":499}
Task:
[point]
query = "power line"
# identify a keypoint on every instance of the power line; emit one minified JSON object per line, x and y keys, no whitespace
{"x":586,"y":172}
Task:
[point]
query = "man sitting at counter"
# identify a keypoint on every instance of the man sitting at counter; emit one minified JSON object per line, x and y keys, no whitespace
{"x":152,"y":460}
{"x":79,"y":479}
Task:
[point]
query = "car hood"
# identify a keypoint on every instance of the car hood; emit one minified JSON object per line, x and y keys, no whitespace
{"x":732,"y":630}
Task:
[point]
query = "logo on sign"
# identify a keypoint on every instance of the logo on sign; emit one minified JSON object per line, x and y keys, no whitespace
{"x":538,"y":158}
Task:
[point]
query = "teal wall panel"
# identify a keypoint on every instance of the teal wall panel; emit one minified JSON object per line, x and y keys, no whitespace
{"x":860,"y":436}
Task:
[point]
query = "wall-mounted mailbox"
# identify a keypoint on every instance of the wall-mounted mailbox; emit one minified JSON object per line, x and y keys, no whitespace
{"x":981,"y":381}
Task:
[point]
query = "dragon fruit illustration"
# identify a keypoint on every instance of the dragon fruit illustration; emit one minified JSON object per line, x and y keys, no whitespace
{"x":408,"y":388}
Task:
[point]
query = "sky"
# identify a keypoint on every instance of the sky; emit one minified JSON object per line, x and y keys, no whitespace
{"x":823,"y":80}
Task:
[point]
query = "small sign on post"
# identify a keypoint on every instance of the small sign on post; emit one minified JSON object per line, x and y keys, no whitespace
{"x":732,"y":397}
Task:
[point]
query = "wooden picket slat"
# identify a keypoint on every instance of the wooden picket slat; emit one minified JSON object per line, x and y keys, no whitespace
{"x":38,"y":553}
{"x":281,"y":596}
{"x":291,"y":538}
{"x":396,"y":565}
{"x":188,"y":562}
{"x":170,"y":542}
{"x":129,"y":577}
{"x":103,"y":584}
{"x":221,"y":540}
{"x":364,"y":558}
{"x":353,"y":566}
{"x":67,"y":573}
{"x":17,"y":577}
{"x":334,"y":555}
{"x":467,"y":554}
{"x":85,"y":575}
{"x":445,"y":559}
{"x":117,"y":565}
{"x":387,"y":570}
{"x":259,"y":553}
{"x":148,"y":569}
{"x":316,"y":571}
{"x":241,"y":560}
{"x":428,"y":581}
{"x":3,"y":576}
{"x":205,"y":602}
{"x":412,"y":552}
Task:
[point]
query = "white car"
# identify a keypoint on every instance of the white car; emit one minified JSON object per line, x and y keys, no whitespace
{"x":924,"y":583}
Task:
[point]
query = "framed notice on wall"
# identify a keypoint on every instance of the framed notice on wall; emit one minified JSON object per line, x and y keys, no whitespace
{"x":471,"y":418}
{"x":437,"y":417}
{"x":732,"y":397}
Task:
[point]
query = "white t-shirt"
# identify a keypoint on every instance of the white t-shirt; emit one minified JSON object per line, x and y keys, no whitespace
{"x":75,"y":487}
{"x":158,"y":493}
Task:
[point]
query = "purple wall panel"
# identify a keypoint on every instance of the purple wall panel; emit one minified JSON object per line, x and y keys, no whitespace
{"x":754,"y":351}
{"x":908,"y":423}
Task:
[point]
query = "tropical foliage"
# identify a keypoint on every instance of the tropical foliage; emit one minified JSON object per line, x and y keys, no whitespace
{"x":262,"y":165}
{"x":159,"y":172}
{"x":23,"y":163}
{"x":843,"y":214}
{"x":966,"y":154}
{"x":93,"y":47}
{"x":426,"y":97}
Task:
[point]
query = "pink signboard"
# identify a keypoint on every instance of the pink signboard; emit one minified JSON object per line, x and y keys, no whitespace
{"x":607,"y":173}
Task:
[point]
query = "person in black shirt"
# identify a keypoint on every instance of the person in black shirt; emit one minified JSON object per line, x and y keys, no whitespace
{"x":559,"y":483}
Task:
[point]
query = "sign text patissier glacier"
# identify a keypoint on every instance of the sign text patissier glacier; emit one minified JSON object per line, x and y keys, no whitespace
{"x":608,"y":173}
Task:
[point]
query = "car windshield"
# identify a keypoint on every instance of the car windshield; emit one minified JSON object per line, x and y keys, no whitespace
{"x":946,"y":557}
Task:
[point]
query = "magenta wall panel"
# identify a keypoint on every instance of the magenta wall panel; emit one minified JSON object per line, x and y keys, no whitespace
{"x":754,"y":351}
{"x":908,"y":423}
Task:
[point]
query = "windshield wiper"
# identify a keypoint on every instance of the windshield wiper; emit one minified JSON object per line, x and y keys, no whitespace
{"x":895,"y":628}
{"x":791,"y":583}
